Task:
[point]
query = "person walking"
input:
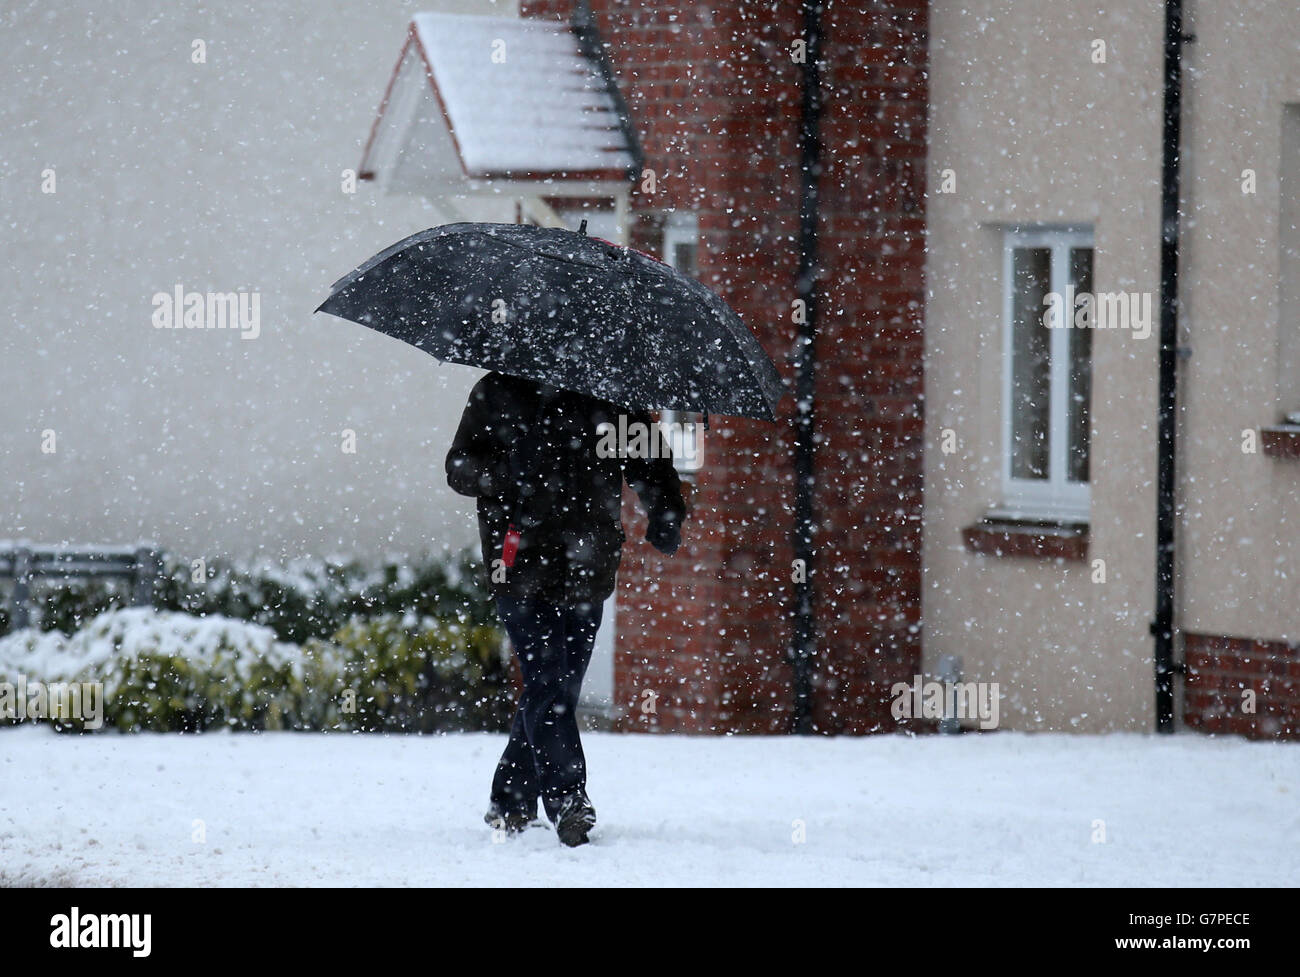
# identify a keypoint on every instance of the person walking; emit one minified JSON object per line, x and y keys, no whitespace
{"x":549,"y":499}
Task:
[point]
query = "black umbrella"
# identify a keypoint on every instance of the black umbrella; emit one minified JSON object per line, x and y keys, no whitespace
{"x":563,"y":308}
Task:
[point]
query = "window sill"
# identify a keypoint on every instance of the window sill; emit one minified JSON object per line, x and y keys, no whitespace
{"x":1036,"y":539}
{"x":1280,"y":440}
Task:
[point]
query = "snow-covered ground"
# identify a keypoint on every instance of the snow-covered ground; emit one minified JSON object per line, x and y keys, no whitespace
{"x":309,"y":809}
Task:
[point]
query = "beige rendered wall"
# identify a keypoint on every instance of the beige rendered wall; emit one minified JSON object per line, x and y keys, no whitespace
{"x":221,"y":176}
{"x":1038,"y":133}
{"x":1240,"y":532}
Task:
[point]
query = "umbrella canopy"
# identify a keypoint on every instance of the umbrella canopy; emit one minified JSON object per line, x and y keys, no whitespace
{"x":566,"y":309}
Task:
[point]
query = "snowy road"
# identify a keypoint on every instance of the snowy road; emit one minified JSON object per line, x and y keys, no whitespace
{"x":1002,"y":809}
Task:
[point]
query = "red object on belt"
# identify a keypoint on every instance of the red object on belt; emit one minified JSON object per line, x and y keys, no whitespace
{"x":510,"y":546}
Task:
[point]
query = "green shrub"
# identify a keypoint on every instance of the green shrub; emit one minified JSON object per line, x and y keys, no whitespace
{"x":424,"y":674}
{"x":262,"y":646}
{"x":311,"y":598}
{"x":172,"y":672}
{"x":307,"y":598}
{"x":71,"y":604}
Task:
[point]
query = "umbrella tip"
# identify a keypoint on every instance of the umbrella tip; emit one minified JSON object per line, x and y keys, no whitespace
{"x":582,"y":228}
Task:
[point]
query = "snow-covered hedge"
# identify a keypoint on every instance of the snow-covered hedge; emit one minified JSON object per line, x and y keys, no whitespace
{"x":170,"y":671}
{"x":303,"y":599}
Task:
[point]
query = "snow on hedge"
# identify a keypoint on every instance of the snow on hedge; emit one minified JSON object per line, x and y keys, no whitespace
{"x":105,"y":648}
{"x":168,"y":670}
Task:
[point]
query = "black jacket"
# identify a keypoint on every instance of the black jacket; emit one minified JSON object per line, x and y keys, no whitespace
{"x":528,"y":454}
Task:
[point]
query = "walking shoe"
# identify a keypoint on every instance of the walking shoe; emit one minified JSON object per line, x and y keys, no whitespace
{"x":574,"y":820}
{"x":511,"y":822}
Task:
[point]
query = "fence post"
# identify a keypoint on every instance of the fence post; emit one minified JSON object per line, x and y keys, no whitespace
{"x":20,"y":609}
{"x":148,"y":567}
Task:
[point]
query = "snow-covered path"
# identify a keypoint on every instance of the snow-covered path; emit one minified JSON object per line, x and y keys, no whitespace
{"x":309,"y":809}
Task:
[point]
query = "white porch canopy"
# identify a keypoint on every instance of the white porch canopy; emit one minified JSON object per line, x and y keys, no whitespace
{"x":505,"y":107}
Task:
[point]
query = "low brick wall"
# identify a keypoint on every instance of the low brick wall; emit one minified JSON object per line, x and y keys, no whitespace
{"x":1222,"y":672}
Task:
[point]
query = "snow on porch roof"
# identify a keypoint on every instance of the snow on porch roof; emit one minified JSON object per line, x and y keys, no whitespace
{"x":520,"y":99}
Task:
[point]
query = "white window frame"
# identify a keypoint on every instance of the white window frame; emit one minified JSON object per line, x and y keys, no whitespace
{"x":682,"y":228}
{"x":1054,"y":497}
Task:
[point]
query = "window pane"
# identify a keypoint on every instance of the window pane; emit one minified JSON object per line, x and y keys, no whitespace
{"x":683,"y":257}
{"x":1080,"y":371}
{"x":1031,"y":403}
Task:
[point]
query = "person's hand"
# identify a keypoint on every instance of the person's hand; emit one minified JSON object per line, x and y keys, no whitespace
{"x":664,"y":533}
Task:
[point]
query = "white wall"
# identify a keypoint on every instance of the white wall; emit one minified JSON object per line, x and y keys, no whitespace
{"x":221,"y":176}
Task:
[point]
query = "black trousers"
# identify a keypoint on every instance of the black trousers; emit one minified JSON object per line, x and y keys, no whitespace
{"x":543,"y":758}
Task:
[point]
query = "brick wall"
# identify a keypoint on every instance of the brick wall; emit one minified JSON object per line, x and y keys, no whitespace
{"x":715,"y":96}
{"x":1221,"y":669}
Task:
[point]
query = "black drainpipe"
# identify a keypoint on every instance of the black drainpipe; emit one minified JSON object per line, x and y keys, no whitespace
{"x":1167,"y":422}
{"x":803,"y":648}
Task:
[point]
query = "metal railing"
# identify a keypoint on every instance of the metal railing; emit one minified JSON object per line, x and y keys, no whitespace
{"x":24,"y":562}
